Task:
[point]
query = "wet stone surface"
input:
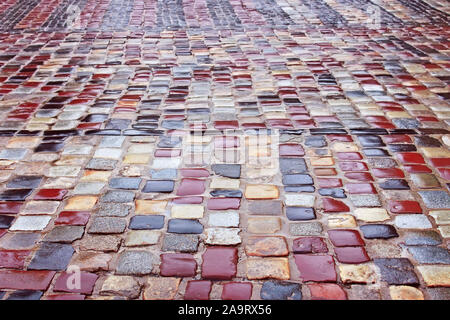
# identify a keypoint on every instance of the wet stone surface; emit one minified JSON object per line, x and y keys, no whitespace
{"x":135,"y":263}
{"x":221,"y":149}
{"x":397,"y":271}
{"x":279,"y":290}
{"x":52,"y":256}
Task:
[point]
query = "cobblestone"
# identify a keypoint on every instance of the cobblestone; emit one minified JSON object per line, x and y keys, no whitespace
{"x":210,"y":149}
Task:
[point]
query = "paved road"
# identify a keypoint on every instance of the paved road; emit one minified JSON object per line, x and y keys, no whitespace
{"x":224,"y":149}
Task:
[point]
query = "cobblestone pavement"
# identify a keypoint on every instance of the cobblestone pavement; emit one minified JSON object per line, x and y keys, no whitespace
{"x":224,"y":149}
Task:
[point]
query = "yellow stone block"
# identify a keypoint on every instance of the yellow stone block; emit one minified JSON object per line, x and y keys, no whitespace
{"x":322,"y":161}
{"x":357,"y":273}
{"x":445,"y":231}
{"x":161,"y":288}
{"x":137,"y":158}
{"x":345,"y":147}
{"x":141,"y":148}
{"x":150,"y":206}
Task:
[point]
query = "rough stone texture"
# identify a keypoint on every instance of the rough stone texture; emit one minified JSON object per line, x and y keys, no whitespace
{"x":118,"y":196}
{"x":161,"y":288}
{"x":222,"y":236}
{"x":435,"y":199}
{"x":100,"y":242}
{"x":65,"y":234}
{"x":439,"y":293}
{"x":365,"y":200}
{"x":101,"y":164}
